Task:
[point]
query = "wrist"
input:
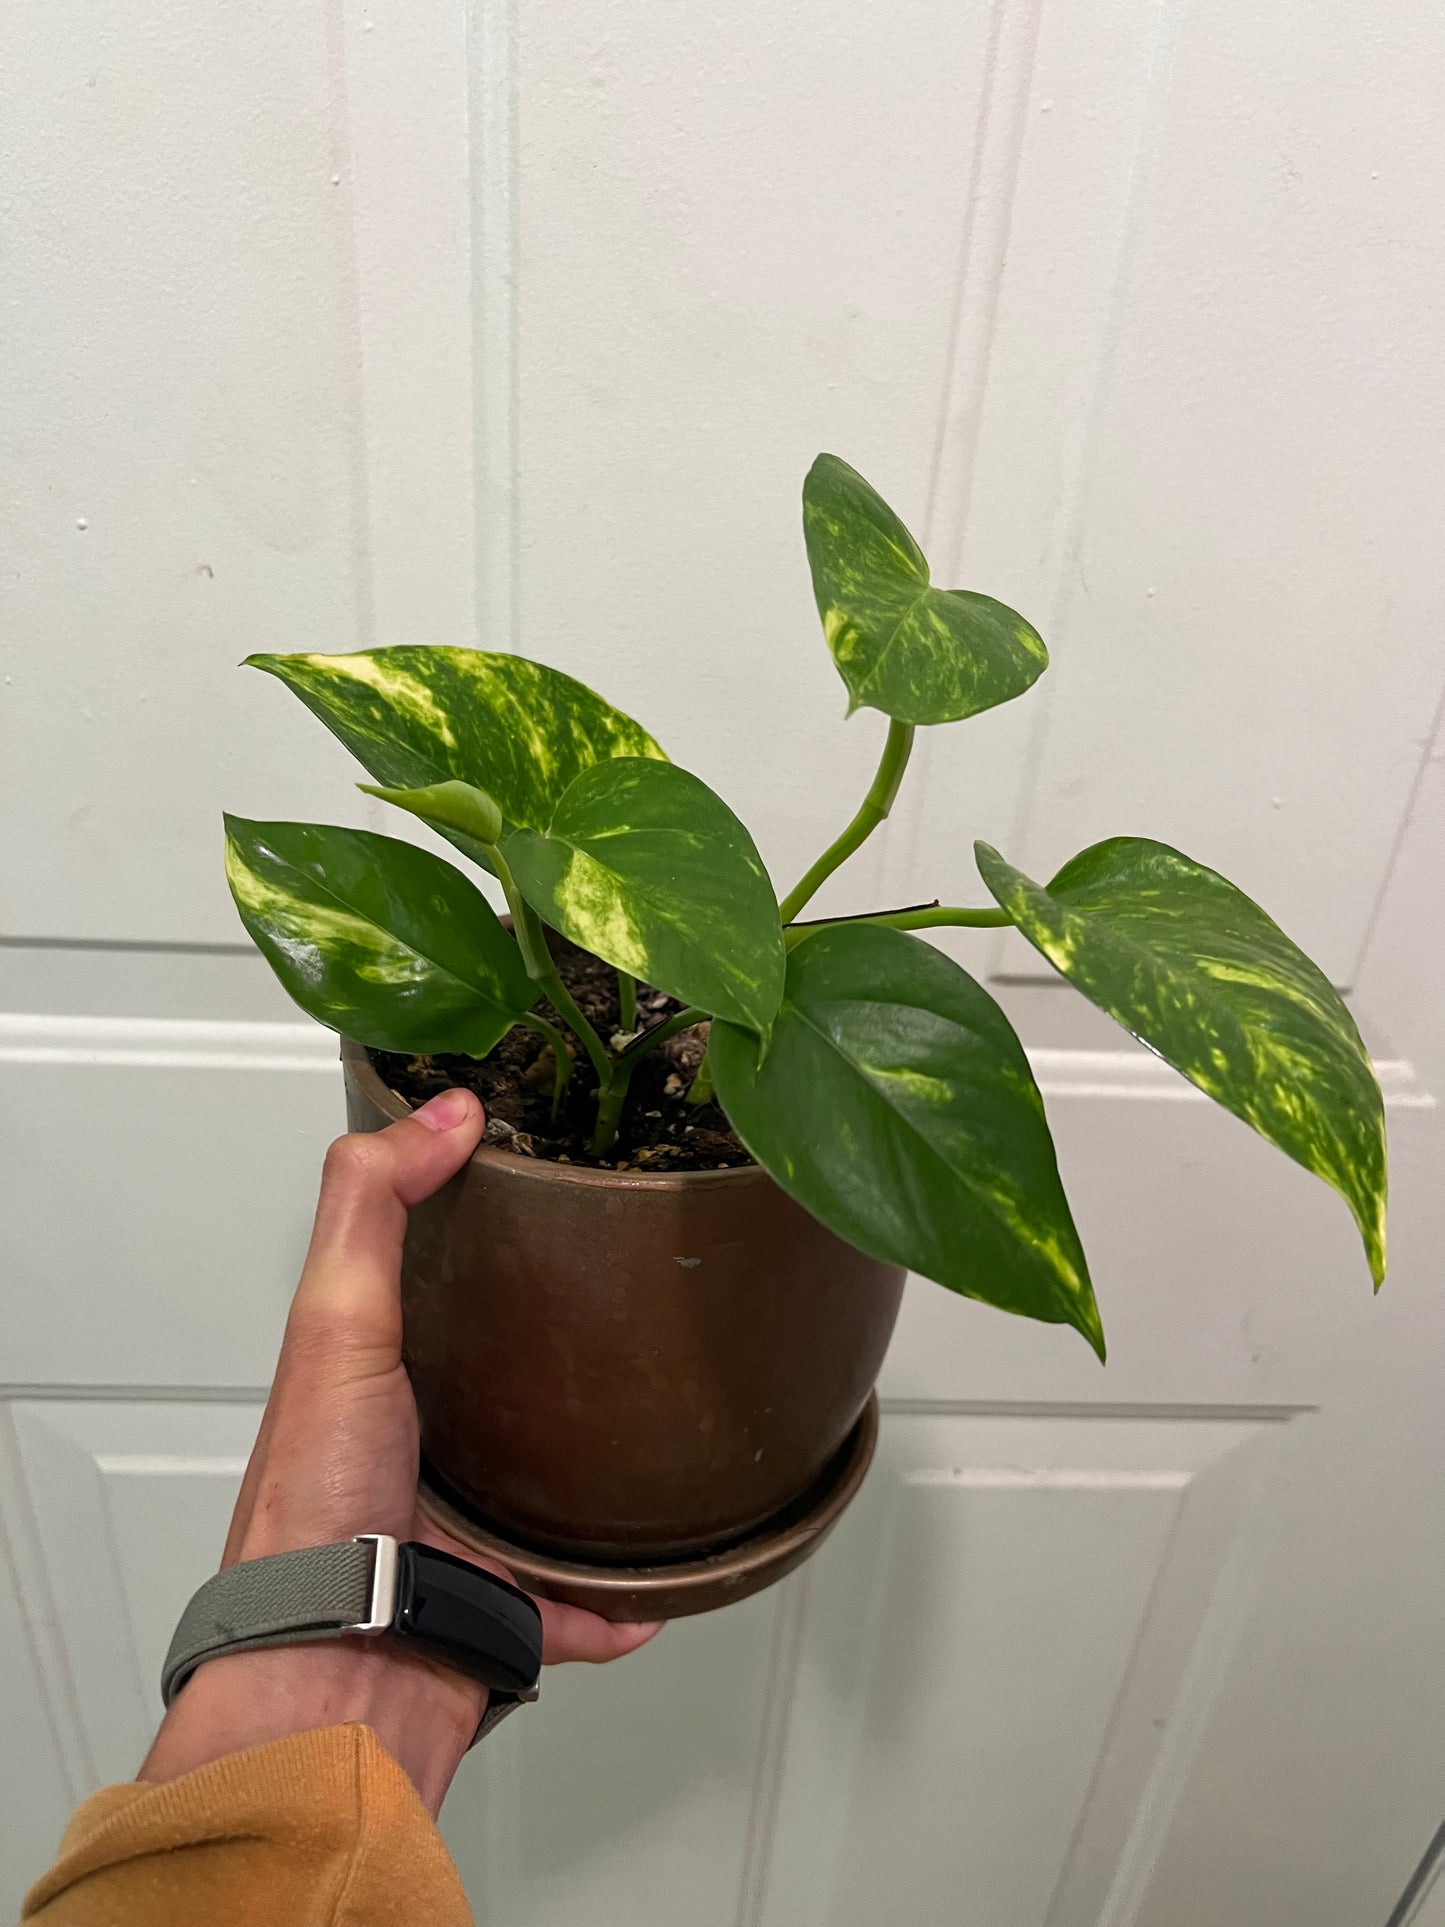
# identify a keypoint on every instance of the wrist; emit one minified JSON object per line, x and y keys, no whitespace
{"x":424,"y":1715}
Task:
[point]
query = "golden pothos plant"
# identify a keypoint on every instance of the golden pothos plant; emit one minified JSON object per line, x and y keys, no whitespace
{"x":873,"y":1078}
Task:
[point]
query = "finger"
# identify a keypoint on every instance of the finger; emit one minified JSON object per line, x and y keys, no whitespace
{"x":572,"y":1633}
{"x":352,"y":1271}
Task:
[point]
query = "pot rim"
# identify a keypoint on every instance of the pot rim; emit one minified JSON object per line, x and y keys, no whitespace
{"x":357,"y":1060}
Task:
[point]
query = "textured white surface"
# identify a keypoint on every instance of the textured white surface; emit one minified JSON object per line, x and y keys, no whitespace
{"x":1125,"y":308}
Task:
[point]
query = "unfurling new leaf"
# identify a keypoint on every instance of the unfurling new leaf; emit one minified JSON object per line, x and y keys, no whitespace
{"x":447,"y":806}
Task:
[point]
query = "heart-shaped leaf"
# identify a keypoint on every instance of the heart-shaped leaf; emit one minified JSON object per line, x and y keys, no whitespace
{"x":920,"y":654}
{"x":643,"y":865}
{"x":377,"y":938}
{"x":417,"y":715}
{"x":447,"y":806}
{"x":1201,"y":975}
{"x":896,"y":1104}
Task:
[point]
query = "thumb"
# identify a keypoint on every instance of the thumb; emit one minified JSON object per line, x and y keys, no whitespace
{"x":345,"y":1324}
{"x":353,"y":1267}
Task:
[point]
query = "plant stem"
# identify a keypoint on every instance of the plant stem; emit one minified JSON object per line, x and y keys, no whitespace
{"x":614,"y":1091}
{"x":700,"y":1089}
{"x":939,"y":914}
{"x":527,"y":928}
{"x":563,"y":1002}
{"x":874,"y":808}
{"x":626,"y":1001}
{"x":932,"y":917}
{"x":609,"y":1110}
{"x":526,"y":924}
{"x":560,"y":1052}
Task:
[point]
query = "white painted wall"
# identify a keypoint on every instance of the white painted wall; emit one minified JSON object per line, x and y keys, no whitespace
{"x":483,"y":320}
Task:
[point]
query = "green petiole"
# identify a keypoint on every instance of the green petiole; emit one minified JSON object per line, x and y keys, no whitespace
{"x":933,"y":916}
{"x":614,"y":1091}
{"x":527,"y":929}
{"x":626,"y":1001}
{"x":873,"y":810}
{"x":560,"y":1052}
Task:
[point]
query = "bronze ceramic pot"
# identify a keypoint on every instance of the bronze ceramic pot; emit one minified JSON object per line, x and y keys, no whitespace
{"x":628,"y":1368}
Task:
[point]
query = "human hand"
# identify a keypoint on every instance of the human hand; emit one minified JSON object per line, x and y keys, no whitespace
{"x":337,"y":1454}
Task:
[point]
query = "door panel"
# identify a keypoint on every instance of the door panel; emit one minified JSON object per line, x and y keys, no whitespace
{"x":172,"y":1253}
{"x":1009,"y":1650}
{"x":1239,"y":597}
{"x":629,"y":1793}
{"x":1170,"y":410}
{"x":131,"y":1503}
{"x":179,"y":439}
{"x":727,"y":185}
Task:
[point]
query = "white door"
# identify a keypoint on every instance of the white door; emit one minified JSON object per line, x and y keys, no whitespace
{"x":333,"y":326}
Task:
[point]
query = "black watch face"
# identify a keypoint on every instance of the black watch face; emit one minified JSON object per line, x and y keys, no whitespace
{"x":473,"y":1621}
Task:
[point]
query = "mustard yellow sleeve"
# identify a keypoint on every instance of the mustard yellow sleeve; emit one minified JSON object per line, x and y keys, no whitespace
{"x":323,"y":1829}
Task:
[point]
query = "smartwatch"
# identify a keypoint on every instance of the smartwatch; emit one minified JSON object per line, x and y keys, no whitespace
{"x":442,"y":1607}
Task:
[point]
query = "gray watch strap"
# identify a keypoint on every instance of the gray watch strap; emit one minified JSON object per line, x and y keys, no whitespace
{"x":288,"y":1598}
{"x":278,"y":1601}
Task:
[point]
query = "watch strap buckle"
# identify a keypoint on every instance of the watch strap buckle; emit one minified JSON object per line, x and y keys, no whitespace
{"x":382,"y":1588}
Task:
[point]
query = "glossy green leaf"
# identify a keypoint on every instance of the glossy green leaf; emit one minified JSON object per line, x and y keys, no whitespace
{"x":920,"y":654}
{"x":1201,"y":975}
{"x":896,"y":1104}
{"x":377,"y":938}
{"x":645,"y":867}
{"x":447,"y":806}
{"x":416,"y":716}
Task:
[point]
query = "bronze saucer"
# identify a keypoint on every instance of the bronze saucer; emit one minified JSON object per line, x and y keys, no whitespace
{"x":676,"y":1588}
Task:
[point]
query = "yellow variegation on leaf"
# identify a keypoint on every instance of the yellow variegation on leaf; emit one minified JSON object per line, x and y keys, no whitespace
{"x":376,"y":938}
{"x":416,"y":716}
{"x":896,"y":1104}
{"x":643,"y":865}
{"x":1200,"y":974}
{"x":920,"y":654}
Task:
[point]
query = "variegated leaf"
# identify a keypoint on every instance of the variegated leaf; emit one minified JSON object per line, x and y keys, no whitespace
{"x":1201,"y":975}
{"x":417,"y":715}
{"x":920,"y":654}
{"x":377,"y":938}
{"x":896,"y":1104}
{"x":645,"y":867}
